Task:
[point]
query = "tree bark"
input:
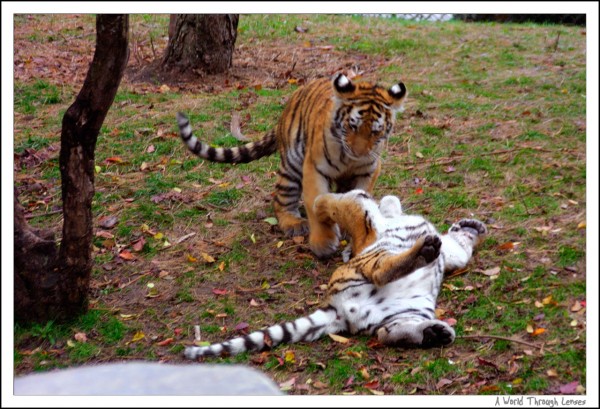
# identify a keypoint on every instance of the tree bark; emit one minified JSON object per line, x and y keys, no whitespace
{"x":58,"y":288}
{"x":202,"y":42}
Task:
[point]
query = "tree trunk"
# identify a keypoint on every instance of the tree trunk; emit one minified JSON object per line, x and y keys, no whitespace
{"x":202,"y":42}
{"x":58,"y":288}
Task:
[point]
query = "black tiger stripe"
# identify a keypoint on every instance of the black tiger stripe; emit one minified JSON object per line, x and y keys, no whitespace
{"x":212,"y":153}
{"x":287,"y":335}
{"x":284,"y":204}
{"x":288,"y":189}
{"x":228,"y":155}
{"x":292,"y":178}
{"x":312,"y":330}
{"x":249,"y":345}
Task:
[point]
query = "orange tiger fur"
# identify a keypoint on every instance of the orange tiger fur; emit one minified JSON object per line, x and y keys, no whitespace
{"x":330,"y":134}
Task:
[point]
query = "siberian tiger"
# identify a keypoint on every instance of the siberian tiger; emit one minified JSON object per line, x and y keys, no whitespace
{"x":390,"y":286}
{"x":331,"y":133}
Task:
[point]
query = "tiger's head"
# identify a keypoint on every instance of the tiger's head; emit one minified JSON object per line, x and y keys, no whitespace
{"x":365,"y":113}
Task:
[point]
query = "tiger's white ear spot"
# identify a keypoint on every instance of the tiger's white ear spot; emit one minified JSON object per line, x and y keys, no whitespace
{"x":342,"y":81}
{"x":398,"y":91}
{"x":342,"y":84}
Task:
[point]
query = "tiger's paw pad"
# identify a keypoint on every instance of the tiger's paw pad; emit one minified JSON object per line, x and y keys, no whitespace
{"x":436,"y":335}
{"x":475,"y":227}
{"x":431,"y":248}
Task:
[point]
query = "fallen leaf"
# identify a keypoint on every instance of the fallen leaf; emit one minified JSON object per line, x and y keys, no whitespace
{"x":208,"y":258}
{"x":218,"y":291}
{"x":113,"y":159}
{"x":338,"y":338}
{"x":80,"y":337}
{"x":271,"y":220}
{"x":365,"y":373}
{"x":576,"y":307}
{"x":138,"y":245}
{"x":267,"y":340}
{"x":105,"y":234}
{"x":136,"y":337}
{"x":319,"y":385}
{"x":108,"y":222}
{"x":287,"y":385}
{"x":290,"y":357}
{"x":569,"y":388}
{"x":508,"y":246}
{"x":242,"y":326}
{"x":449,"y":169}
{"x":191,"y":259}
{"x":349,"y":382}
{"x":165,"y":342}
{"x":581,"y":225}
{"x":492,"y":271}
{"x":529,"y":329}
{"x":547,"y":300}
{"x":450,"y":321}
{"x":538,"y":331}
{"x":126,"y":255}
{"x":489,"y":388}
{"x":552,"y":373}
{"x":150,"y":149}
{"x":222,"y":266}
{"x":443,"y":382}
{"x":298,"y":239}
{"x":374,"y":384}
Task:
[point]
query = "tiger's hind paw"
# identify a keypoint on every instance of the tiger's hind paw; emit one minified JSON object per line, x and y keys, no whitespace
{"x":437,"y":334}
{"x":472,"y":226}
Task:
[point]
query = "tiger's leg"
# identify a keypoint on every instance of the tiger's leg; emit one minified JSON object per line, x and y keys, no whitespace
{"x":460,"y":241}
{"x":393,"y":267}
{"x":288,"y":191}
{"x":323,"y":236}
{"x":414,"y":332}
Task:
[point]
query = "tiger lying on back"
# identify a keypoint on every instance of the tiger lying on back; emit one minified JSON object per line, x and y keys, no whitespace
{"x":330,"y":133}
{"x":390,"y":286}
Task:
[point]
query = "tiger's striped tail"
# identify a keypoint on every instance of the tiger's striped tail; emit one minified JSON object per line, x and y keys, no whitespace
{"x":308,"y":328}
{"x":239,"y":154}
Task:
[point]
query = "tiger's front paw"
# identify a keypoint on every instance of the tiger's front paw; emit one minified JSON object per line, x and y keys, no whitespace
{"x":298,"y":228}
{"x":431,"y":248}
{"x":325,"y":244}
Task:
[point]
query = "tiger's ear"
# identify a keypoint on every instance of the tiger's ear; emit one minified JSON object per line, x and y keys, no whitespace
{"x":398,"y":93}
{"x":354,"y":214}
{"x":343,"y":85}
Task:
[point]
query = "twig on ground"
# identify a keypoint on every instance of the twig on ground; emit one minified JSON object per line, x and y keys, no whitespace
{"x":31,"y":216}
{"x":518,"y":341}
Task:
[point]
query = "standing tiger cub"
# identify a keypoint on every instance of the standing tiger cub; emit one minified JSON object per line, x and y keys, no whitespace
{"x":390,"y":286}
{"x":331,"y":133}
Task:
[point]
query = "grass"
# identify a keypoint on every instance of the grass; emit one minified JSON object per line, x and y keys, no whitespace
{"x":486,"y":133}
